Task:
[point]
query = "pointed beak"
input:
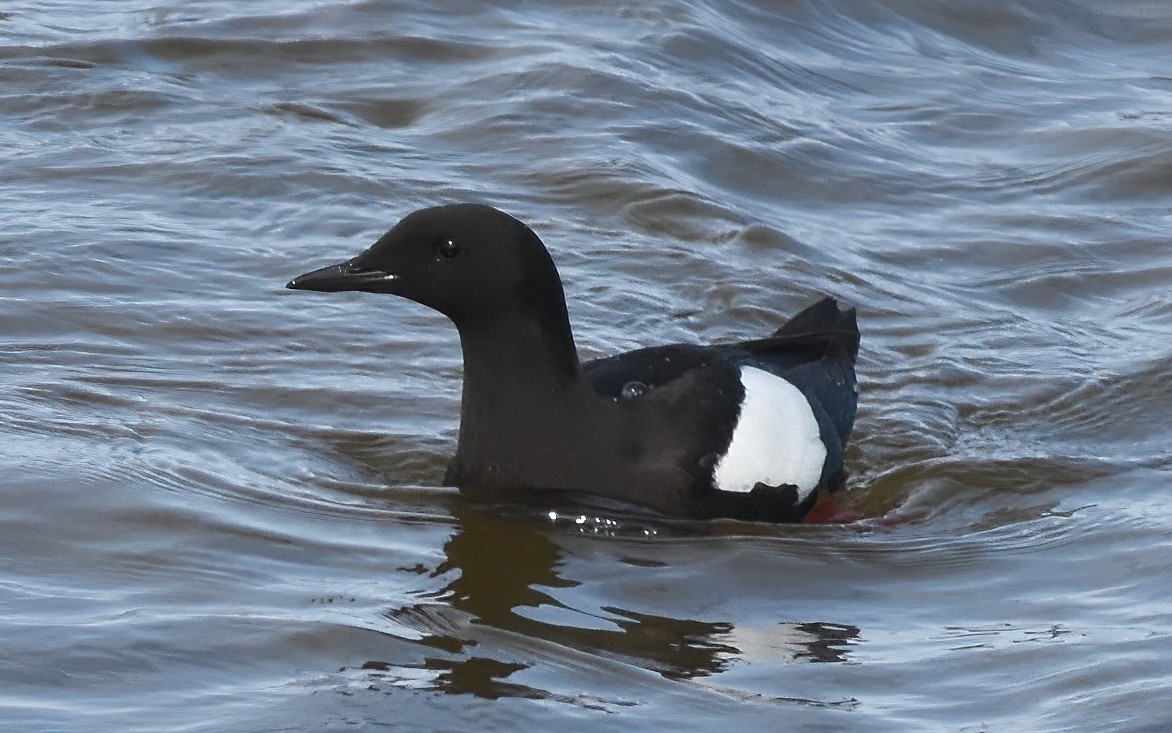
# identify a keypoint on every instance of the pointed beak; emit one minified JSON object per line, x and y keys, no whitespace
{"x":345,"y":276}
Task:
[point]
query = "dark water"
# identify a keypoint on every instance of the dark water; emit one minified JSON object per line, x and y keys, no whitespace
{"x":220,"y":506}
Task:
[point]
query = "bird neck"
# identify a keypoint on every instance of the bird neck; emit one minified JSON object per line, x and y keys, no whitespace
{"x":521,"y":376}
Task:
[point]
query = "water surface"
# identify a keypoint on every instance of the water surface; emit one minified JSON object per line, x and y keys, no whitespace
{"x":221,"y":504}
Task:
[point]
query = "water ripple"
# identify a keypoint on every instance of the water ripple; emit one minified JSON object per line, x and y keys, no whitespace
{"x":220,"y":495}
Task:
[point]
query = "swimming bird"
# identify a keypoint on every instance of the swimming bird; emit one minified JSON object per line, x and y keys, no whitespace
{"x":752,"y":430}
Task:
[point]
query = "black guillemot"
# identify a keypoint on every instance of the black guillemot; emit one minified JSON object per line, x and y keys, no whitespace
{"x":753,"y":430}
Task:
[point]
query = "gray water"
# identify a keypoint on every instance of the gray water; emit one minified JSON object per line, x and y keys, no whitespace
{"x":221,"y":505}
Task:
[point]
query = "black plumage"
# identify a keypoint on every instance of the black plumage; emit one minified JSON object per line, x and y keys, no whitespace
{"x":645,"y":427}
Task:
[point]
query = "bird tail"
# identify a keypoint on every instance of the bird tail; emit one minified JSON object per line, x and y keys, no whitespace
{"x":825,"y":319}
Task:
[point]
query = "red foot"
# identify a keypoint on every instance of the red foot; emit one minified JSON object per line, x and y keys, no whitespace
{"x":833,"y":509}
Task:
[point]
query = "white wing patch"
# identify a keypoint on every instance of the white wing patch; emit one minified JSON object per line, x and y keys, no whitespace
{"x":776,"y":440}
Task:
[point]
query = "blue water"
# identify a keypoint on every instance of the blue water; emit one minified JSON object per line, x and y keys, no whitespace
{"x":221,"y":506}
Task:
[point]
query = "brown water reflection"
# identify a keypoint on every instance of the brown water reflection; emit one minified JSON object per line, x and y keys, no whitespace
{"x":503,"y":566}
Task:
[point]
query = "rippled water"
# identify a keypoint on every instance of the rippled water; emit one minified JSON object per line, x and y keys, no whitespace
{"x":221,"y":507}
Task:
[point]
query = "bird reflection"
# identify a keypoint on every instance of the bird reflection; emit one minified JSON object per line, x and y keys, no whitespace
{"x":505,"y":571}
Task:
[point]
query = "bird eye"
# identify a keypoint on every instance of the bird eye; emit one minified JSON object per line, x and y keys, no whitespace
{"x":447,"y":248}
